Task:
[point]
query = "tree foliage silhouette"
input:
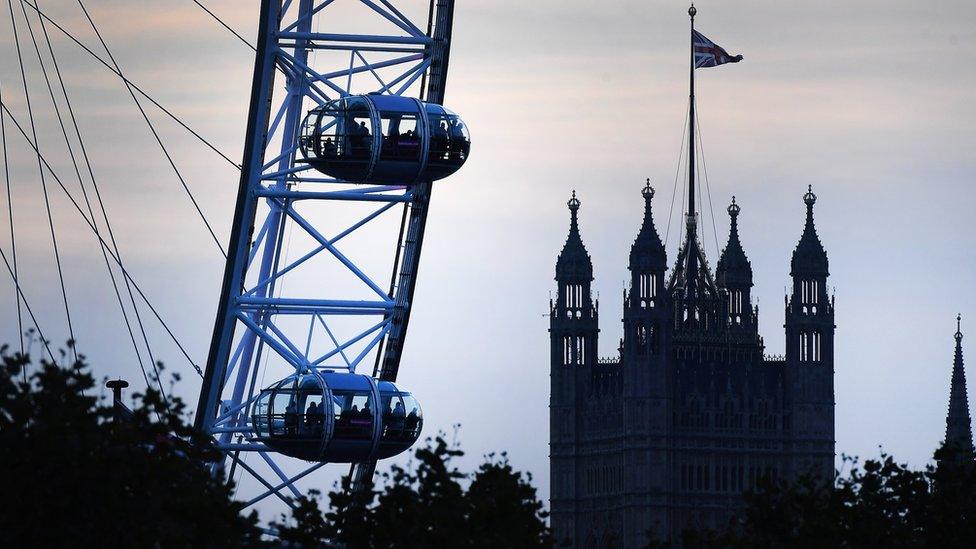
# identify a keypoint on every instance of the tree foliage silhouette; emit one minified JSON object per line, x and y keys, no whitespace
{"x":73,"y":476}
{"x":428,"y":506}
{"x":76,"y":476}
{"x":882,"y":504}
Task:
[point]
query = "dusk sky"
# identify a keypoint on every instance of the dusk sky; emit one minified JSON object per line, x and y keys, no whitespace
{"x":870,"y":104}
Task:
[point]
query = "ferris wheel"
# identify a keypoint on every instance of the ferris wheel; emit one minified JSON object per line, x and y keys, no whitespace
{"x":347,"y":126}
{"x":346,"y":132}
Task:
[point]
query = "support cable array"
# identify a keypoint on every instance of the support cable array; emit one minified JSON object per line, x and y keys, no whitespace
{"x":81,"y":183}
{"x":82,"y":166}
{"x":135,"y":87}
{"x":152,"y":129}
{"x":101,"y":240}
{"x":40,"y":169}
{"x":677,"y":171}
{"x":708,"y":188}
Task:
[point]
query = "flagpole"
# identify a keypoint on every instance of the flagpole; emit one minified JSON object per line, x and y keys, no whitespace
{"x":691,"y":127}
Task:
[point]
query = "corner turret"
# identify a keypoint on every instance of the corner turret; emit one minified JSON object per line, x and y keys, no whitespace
{"x":573,"y":316}
{"x":809,"y":258}
{"x":648,"y":258}
{"x":574,"y":264}
{"x":734,"y":272}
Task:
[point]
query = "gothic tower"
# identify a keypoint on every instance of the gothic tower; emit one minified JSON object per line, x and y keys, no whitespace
{"x":959,"y":433}
{"x":645,"y":357}
{"x":810,"y":352}
{"x":573,"y":330}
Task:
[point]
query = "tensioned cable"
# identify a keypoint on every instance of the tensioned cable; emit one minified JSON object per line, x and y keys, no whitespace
{"x":152,"y":128}
{"x":225,"y":25}
{"x":28,"y":307}
{"x":91,"y":226}
{"x":708,"y":188}
{"x":10,"y":217}
{"x":701,"y":206}
{"x":84,"y":192}
{"x":166,"y":111}
{"x":677,"y":170}
{"x":47,"y":201}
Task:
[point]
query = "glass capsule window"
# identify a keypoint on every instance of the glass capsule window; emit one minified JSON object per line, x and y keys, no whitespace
{"x":354,"y":415}
{"x":394,"y":415}
{"x":259,"y":415}
{"x":340,"y":133}
{"x":290,"y":414}
{"x":449,"y":141}
{"x":401,"y":137}
{"x":414,"y":421}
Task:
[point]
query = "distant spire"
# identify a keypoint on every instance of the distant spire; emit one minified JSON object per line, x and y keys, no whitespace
{"x":959,"y":433}
{"x":648,"y":251}
{"x":574,"y":261}
{"x":733,"y":267}
{"x":809,"y":256}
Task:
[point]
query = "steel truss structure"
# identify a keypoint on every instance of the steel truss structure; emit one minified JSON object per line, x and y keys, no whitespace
{"x":265,"y":326}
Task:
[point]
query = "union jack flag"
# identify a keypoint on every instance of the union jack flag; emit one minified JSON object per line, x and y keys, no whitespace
{"x":710,"y":54}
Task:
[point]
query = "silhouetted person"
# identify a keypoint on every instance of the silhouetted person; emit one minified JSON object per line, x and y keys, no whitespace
{"x":396,"y":418}
{"x":328,"y":148}
{"x":291,"y":418}
{"x":438,"y":142}
{"x":399,"y":411}
{"x":360,"y":139}
{"x":413,"y":419}
{"x":311,"y":415}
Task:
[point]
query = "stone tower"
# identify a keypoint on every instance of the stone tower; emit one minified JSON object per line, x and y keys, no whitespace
{"x":573,"y":331}
{"x":810,"y":351}
{"x":668,"y":434}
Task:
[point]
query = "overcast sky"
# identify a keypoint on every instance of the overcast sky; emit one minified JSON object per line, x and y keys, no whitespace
{"x":871,"y":104}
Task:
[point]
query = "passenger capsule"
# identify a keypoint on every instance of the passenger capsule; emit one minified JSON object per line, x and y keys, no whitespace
{"x":384,"y":139}
{"x":336,"y":417}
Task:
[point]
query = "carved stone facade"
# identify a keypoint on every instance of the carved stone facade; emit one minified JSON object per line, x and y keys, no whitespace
{"x":668,"y":435}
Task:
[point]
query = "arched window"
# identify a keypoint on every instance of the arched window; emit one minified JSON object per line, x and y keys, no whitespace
{"x":574,"y":296}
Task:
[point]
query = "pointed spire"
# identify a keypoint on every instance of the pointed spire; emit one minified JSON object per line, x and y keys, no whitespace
{"x":809,"y":257}
{"x":574,"y":261}
{"x":733,"y":267}
{"x":648,"y":251}
{"x":959,"y":433}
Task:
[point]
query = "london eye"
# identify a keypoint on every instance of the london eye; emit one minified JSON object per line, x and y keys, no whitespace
{"x":345,"y":135}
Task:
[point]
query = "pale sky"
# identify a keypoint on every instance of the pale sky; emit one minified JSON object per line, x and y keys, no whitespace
{"x":871,"y":104}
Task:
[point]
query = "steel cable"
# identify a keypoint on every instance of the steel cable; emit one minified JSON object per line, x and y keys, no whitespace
{"x":13,"y":239}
